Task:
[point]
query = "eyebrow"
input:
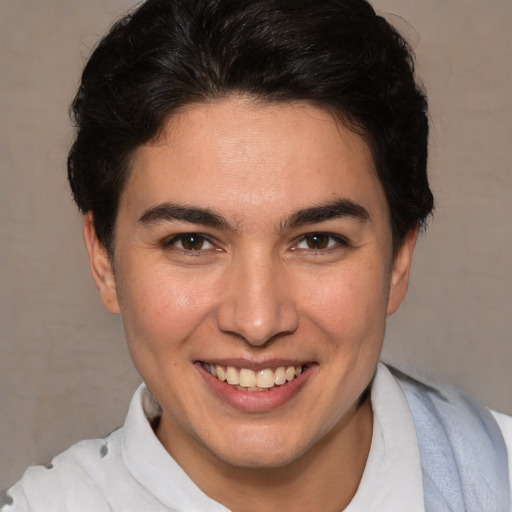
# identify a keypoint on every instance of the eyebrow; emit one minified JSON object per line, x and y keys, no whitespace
{"x":194,"y":215}
{"x":333,"y":210}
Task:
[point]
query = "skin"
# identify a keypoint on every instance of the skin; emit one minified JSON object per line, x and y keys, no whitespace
{"x":259,"y":288}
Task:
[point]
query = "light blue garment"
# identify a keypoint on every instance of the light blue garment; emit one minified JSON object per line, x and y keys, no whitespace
{"x":463,"y":454}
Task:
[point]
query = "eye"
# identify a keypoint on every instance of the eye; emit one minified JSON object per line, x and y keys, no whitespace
{"x":189,"y":242}
{"x":320,"y":241}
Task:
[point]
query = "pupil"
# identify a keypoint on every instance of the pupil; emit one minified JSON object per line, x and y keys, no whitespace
{"x":317,"y":241}
{"x":192,"y":242}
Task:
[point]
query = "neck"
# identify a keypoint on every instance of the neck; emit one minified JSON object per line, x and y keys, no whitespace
{"x":325,"y":478}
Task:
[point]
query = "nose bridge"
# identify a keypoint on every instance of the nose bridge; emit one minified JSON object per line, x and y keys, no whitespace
{"x":256,"y":304}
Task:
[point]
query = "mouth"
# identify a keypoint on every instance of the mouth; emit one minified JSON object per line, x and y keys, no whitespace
{"x":246,"y":379}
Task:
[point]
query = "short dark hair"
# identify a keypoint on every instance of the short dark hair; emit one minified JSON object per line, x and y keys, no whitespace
{"x":338,"y":55}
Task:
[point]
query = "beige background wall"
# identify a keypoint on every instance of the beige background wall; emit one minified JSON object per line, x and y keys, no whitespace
{"x":64,"y":371}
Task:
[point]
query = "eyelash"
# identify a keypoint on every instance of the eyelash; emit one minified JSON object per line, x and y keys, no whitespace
{"x":332,"y":241}
{"x":175,"y":240}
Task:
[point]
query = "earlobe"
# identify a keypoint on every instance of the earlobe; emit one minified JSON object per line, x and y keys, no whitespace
{"x":100,"y":265}
{"x":401,"y":271}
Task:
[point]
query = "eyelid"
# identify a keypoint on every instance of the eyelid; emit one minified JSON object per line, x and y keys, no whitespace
{"x":171,"y":241}
{"x":340,"y":241}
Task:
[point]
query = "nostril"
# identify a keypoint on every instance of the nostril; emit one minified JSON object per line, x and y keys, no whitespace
{"x":258,"y":326}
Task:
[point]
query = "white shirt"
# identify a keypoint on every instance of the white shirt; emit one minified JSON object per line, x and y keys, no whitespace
{"x":131,"y":471}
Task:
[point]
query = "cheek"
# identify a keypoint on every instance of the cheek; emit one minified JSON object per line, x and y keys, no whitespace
{"x":350,"y":305}
{"x":161,"y":310}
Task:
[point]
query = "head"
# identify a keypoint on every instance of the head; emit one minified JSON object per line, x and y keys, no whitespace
{"x":335,"y":54}
{"x":253,"y":174}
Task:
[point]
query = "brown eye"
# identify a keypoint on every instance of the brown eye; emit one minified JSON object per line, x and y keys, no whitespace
{"x":189,"y":242}
{"x":321,"y":242}
{"x":317,"y":241}
{"x":192,"y":242}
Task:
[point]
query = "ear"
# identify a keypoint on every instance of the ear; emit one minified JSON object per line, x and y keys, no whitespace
{"x":401,"y":271}
{"x":100,"y":265}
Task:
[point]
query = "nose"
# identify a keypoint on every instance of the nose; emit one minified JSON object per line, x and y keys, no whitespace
{"x":257,"y":302}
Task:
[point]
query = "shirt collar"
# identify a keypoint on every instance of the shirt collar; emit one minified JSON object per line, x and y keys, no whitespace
{"x":391,"y":482}
{"x":392,"y":479}
{"x":152,"y":466}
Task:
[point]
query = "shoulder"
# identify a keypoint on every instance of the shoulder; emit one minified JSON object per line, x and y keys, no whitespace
{"x":76,"y":476}
{"x":454,"y":415}
{"x":97,"y":474}
{"x":458,"y":434}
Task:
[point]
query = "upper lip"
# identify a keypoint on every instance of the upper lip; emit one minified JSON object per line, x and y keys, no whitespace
{"x":256,"y":364}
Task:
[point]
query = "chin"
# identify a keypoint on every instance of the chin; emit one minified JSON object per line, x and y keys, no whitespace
{"x":255,"y":461}
{"x":260,"y":452}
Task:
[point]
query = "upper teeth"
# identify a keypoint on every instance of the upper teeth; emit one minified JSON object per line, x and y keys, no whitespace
{"x":246,"y":378}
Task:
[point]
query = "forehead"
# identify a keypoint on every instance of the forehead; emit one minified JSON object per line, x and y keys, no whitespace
{"x":241,"y":154}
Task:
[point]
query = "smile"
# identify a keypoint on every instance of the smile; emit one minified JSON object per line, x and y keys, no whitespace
{"x":246,"y":379}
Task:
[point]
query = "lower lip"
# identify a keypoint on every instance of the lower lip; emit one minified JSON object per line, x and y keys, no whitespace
{"x":256,"y":401}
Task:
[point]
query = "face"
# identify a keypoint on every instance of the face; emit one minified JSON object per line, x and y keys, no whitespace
{"x":253,"y":244}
